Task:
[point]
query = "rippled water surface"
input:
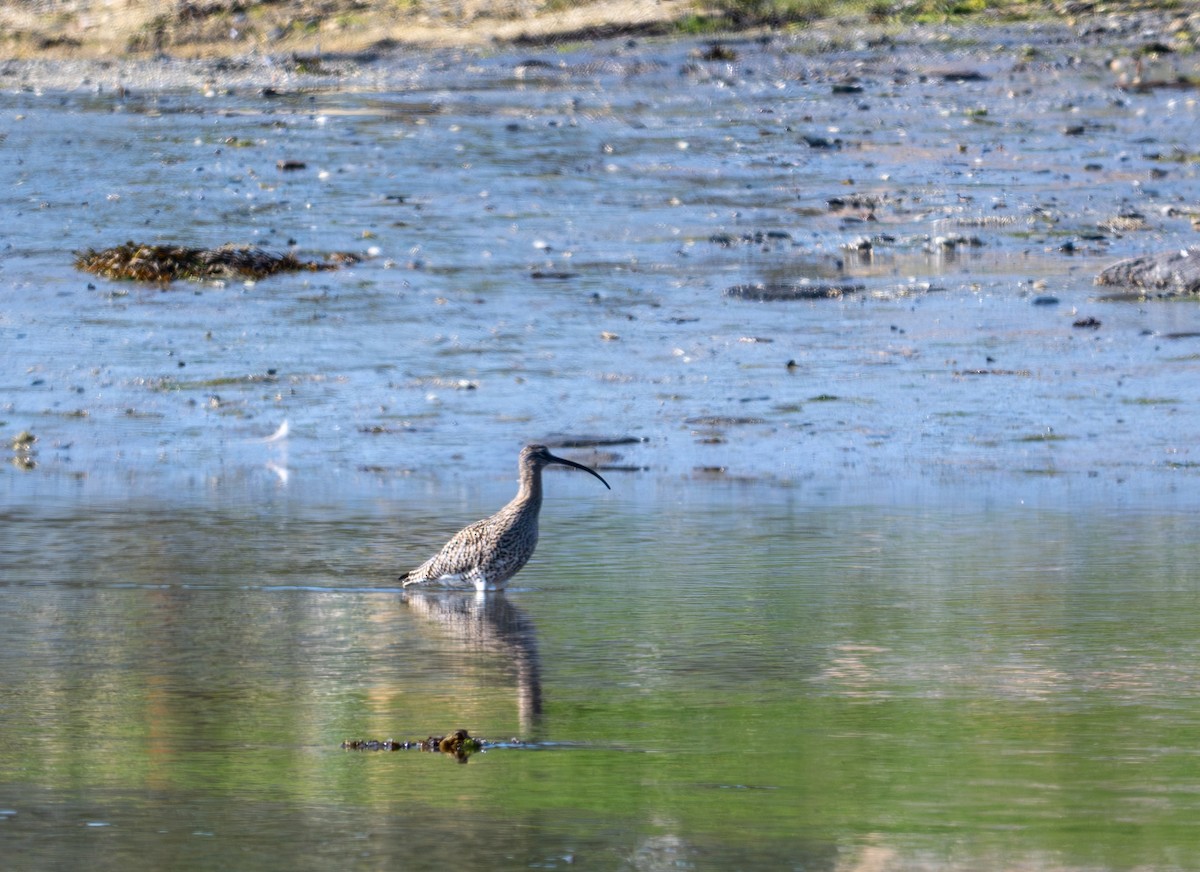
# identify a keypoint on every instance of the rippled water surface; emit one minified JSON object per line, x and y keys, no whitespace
{"x":731,"y":678}
{"x":923,"y":598}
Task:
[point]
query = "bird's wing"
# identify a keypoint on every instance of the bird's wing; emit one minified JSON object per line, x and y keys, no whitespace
{"x":458,"y":556}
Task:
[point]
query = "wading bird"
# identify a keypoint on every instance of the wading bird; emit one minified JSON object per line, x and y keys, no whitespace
{"x":488,"y":553}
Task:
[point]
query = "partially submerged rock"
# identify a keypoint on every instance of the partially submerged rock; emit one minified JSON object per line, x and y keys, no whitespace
{"x":1168,"y":273}
{"x":163,"y":264}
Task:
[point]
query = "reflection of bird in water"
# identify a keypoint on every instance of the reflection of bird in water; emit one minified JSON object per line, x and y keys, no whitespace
{"x":490,"y":552}
{"x":494,"y":625}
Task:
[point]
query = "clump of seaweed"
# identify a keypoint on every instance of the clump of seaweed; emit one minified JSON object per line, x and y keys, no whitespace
{"x":164,"y":264}
{"x":23,"y":451}
{"x":460,"y":744}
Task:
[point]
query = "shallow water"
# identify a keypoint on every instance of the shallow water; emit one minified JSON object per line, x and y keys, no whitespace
{"x":923,"y":599}
{"x":705,"y":680}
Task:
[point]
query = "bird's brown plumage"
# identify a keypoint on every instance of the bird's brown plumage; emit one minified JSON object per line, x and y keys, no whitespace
{"x":486,"y":554}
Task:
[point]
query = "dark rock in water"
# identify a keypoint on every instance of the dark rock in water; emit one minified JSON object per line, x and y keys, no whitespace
{"x":758,"y":237}
{"x":716,"y":52}
{"x":1088,"y":323}
{"x":721,"y":421}
{"x":821,"y":142}
{"x":959,"y":75}
{"x":777,"y":291}
{"x":1045,"y":300}
{"x":1168,"y":272}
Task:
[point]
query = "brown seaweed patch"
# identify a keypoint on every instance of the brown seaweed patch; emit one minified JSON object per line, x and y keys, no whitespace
{"x":164,"y":264}
{"x":563,"y":440}
{"x":722,"y":420}
{"x":167,"y":383}
{"x":1025,"y":373}
{"x":781,"y":291}
{"x":23,"y":441}
{"x":1044,"y":437}
{"x":460,"y":744}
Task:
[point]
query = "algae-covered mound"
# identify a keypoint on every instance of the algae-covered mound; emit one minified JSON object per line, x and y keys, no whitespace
{"x":166,"y":263}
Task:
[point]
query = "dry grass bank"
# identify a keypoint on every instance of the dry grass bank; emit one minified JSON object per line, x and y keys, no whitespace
{"x":192,"y":28}
{"x":220,"y":28}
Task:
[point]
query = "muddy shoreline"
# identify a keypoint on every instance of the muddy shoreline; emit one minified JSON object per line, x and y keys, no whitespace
{"x":1146,"y":47}
{"x":82,"y":28}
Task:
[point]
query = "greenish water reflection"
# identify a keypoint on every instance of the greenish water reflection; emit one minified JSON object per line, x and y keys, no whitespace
{"x":735,"y":680}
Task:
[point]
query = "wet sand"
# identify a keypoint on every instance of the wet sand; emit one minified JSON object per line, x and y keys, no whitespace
{"x":87,"y":44}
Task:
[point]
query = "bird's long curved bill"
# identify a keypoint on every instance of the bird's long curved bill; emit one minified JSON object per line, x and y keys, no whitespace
{"x":566,"y":462}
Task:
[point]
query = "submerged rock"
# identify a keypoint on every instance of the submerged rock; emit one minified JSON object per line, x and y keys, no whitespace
{"x":1168,"y":272}
{"x":165,"y":263}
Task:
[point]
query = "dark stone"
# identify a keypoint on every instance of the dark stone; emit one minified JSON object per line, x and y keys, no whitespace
{"x":721,"y":420}
{"x":562,"y":440}
{"x":821,"y":142}
{"x":960,"y":76}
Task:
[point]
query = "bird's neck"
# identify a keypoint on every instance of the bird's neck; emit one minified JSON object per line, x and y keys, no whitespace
{"x":530,"y":493}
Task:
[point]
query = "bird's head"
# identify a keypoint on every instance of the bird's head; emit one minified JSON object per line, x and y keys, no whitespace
{"x":536,"y":457}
